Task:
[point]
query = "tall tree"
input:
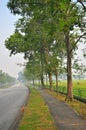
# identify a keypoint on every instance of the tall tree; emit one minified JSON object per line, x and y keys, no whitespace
{"x":60,"y":17}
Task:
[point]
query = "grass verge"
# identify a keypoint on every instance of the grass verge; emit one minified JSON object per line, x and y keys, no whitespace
{"x":36,"y":114}
{"x":79,"y":107}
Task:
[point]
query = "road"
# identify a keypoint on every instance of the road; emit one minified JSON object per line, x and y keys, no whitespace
{"x":11,"y":100}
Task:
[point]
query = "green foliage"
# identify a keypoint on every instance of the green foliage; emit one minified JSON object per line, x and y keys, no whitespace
{"x":46,"y":30}
{"x":15,"y":43}
{"x":32,"y":71}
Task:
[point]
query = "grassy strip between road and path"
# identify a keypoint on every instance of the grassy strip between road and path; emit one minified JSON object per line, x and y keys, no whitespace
{"x":36,"y":114}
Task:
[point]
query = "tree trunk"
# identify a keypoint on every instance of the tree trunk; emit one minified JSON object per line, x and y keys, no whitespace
{"x":69,"y":69}
{"x":57,"y":82}
{"x":46,"y":80}
{"x":42,"y":67}
{"x":42,"y":80}
{"x":50,"y":80}
{"x":33,"y":81}
{"x":39,"y":82}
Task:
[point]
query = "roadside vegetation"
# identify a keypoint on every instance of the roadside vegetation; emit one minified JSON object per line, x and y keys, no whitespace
{"x":79,"y":87}
{"x":36,"y":115}
{"x":6,"y":80}
{"x":48,"y":33}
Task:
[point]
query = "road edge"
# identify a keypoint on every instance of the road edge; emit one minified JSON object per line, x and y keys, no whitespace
{"x":17,"y":120}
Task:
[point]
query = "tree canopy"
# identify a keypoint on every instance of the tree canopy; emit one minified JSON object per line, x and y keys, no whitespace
{"x":47,"y":32}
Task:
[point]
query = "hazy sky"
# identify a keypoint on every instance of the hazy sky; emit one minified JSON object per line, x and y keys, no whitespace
{"x":7,"y":20}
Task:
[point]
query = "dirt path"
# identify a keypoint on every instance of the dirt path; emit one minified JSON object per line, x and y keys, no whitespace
{"x":65,"y":118}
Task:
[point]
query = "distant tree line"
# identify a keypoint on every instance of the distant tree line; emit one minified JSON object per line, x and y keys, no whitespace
{"x":5,"y":78}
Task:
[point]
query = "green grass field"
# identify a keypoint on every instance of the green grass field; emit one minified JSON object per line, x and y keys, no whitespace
{"x":79,"y":87}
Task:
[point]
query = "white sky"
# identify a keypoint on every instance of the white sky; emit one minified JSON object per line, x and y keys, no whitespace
{"x":7,"y":20}
{"x":9,"y":64}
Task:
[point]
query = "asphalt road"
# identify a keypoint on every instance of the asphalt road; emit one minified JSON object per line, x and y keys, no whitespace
{"x":11,"y":100}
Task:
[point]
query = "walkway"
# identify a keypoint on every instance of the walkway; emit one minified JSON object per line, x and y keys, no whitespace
{"x":65,"y":118}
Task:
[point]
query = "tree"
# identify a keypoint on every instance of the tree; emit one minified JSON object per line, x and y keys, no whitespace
{"x":79,"y":68}
{"x":5,"y":78}
{"x":52,"y":19}
{"x":15,"y":43}
{"x":69,"y":18}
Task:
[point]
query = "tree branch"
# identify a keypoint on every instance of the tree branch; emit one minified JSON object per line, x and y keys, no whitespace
{"x":80,"y":37}
{"x":80,"y":1}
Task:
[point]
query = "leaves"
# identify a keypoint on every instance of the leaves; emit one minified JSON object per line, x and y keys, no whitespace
{"x":47,"y":29}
